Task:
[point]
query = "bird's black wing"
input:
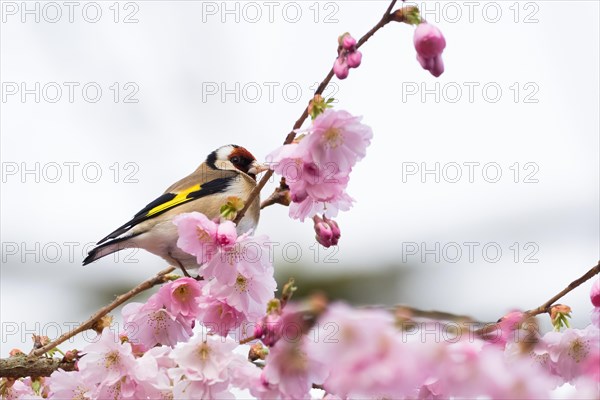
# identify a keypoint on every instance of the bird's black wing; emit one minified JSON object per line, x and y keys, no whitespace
{"x":170,"y":200}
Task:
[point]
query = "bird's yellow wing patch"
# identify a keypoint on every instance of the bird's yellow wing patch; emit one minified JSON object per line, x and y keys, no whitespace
{"x":179,"y":198}
{"x":170,"y":200}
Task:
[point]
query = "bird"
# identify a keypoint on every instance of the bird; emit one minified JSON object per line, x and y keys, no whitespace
{"x":229,"y":171}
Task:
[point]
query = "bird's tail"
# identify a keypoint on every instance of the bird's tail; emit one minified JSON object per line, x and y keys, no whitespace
{"x":107,"y":248}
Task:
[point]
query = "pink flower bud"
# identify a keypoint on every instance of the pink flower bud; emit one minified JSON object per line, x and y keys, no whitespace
{"x":430,"y":44}
{"x":335,"y":230}
{"x":324,"y":234}
{"x":268,"y":329}
{"x":340,"y":68}
{"x":348,"y":42}
{"x":429,"y":40}
{"x":595,"y":293}
{"x":353,"y":59}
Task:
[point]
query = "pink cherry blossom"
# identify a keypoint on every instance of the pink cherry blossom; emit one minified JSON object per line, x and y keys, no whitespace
{"x":124,"y":388}
{"x":337,"y":138}
{"x":108,"y":360}
{"x":17,"y":390}
{"x":430,"y":44}
{"x":148,"y":326}
{"x":151,"y":374}
{"x":193,"y":390}
{"x":70,"y":385}
{"x":309,"y":207}
{"x":290,"y":371}
{"x":197,"y":235}
{"x":268,"y":329}
{"x":506,"y":329}
{"x":248,"y":376}
{"x":470,"y":369}
{"x":206,"y":358}
{"x":179,"y":297}
{"x":317,"y":168}
{"x":361,"y":350}
{"x":571,"y":349}
{"x":243,"y":276}
{"x":287,"y":324}
{"x":217,"y":315}
{"x":226,"y":234}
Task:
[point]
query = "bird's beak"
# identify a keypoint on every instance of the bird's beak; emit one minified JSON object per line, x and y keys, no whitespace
{"x":256,"y":168}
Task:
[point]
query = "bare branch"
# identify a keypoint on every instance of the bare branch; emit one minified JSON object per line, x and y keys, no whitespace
{"x":544,"y":308}
{"x":147,"y":284}
{"x":281,"y":195}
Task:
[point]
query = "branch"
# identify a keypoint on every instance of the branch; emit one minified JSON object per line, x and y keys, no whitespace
{"x":404,"y":311}
{"x":281,"y":195}
{"x":16,"y":367}
{"x":387,"y":17}
{"x":545,"y":308}
{"x":157,"y":279}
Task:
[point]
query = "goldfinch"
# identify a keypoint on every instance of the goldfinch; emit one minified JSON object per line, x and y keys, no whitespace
{"x":228,"y":171}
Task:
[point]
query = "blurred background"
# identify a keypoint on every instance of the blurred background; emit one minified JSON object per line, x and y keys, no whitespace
{"x":479,"y":193}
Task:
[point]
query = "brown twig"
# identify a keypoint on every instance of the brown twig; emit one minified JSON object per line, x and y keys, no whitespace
{"x":545,"y":308}
{"x":290,"y":136}
{"x":404,"y":311}
{"x":281,"y":195}
{"x":147,"y":284}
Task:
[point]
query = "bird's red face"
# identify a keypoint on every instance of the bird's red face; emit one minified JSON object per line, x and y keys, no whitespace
{"x":244,"y":161}
{"x":241,"y":158}
{"x":233,"y":157}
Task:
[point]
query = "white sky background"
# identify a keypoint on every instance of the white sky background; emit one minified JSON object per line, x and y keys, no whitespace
{"x":542,"y":55}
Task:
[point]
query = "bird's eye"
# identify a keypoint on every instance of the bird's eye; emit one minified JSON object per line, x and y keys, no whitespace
{"x":235,"y":160}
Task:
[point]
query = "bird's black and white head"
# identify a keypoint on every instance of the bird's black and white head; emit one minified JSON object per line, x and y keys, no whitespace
{"x":235,"y":158}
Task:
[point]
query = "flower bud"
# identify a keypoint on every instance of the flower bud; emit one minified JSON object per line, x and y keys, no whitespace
{"x":15,"y":353}
{"x":268,"y":329}
{"x":595,"y":293}
{"x":558,"y":316}
{"x":336,"y":233}
{"x":340,"y":68}
{"x":430,"y":44}
{"x":323,"y":230}
{"x":257,"y":352}
{"x":353,"y":59}
{"x":348,"y":42}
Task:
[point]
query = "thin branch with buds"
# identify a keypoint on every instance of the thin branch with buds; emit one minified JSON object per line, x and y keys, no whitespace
{"x":387,"y":17}
{"x":159,"y":278}
{"x":545,"y":308}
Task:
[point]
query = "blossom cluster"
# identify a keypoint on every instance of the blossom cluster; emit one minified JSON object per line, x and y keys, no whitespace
{"x":351,"y":353}
{"x":348,"y":56}
{"x":317,"y":166}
